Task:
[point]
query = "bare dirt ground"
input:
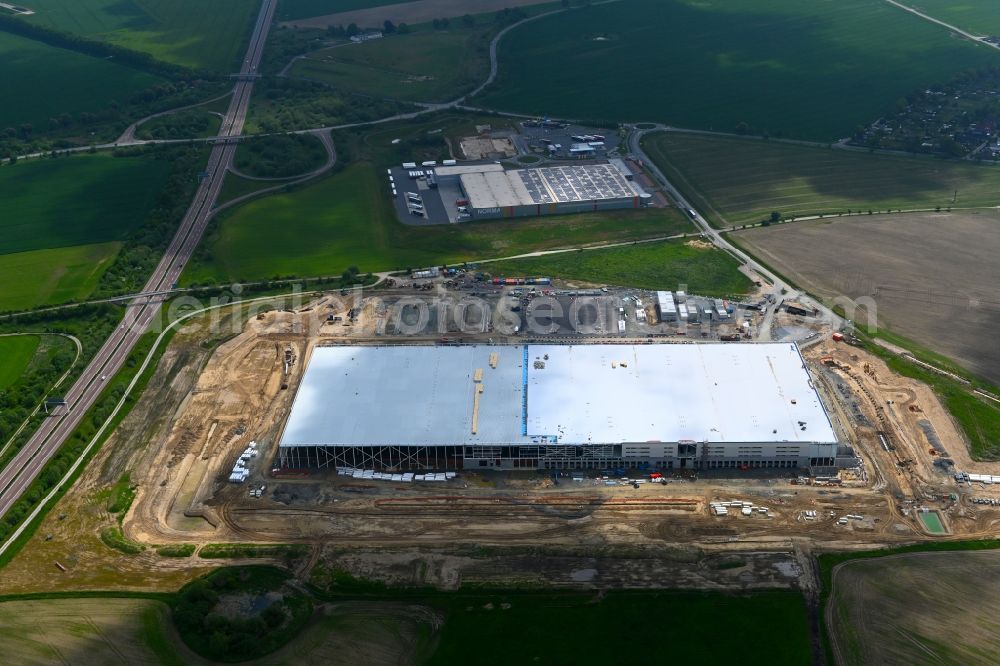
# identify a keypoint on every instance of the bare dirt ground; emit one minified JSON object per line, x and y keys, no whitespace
{"x":918,"y":608}
{"x":933,"y":276}
{"x":482,"y":148}
{"x":70,"y":534}
{"x":213,"y":393}
{"x":410,"y":12}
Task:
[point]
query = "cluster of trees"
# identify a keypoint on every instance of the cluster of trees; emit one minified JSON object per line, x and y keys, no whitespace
{"x":353,"y":30}
{"x":508,"y":16}
{"x":288,"y":104}
{"x":389,"y":28}
{"x":285,"y":43}
{"x":105,"y":124}
{"x":91,"y":324}
{"x":66,"y":40}
{"x":145,"y":246}
{"x":17,"y":401}
{"x":226,"y":638}
{"x":280,"y":156}
{"x":187,"y":124}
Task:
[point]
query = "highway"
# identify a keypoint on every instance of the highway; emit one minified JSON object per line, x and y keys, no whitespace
{"x":17,"y":476}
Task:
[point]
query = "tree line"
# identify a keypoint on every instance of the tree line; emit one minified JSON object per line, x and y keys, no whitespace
{"x":66,"y":40}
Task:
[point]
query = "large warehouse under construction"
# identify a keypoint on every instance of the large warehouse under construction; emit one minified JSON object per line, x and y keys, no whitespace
{"x":669,"y":406}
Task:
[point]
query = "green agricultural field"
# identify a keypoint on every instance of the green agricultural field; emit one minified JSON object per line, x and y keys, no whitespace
{"x":49,"y":277}
{"x":289,"y":10}
{"x":64,"y":220}
{"x":16,"y":353}
{"x":551,"y":628}
{"x":739,"y":181}
{"x":661,"y":265}
{"x":234,"y":187}
{"x":76,"y":200}
{"x":979,"y":17}
{"x":47,"y":82}
{"x":348,"y":220}
{"x":192,"y":33}
{"x":680,"y":628}
{"x":796,"y":68}
{"x":427,"y":66}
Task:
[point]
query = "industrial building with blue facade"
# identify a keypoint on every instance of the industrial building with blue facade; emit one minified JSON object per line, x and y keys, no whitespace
{"x":490,"y":191}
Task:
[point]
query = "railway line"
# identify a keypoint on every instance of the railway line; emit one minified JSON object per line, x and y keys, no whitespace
{"x":24,"y":467}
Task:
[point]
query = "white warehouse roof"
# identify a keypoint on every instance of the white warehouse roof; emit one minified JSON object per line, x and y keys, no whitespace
{"x":579,"y":394}
{"x":546,"y":185}
{"x":461,"y":169}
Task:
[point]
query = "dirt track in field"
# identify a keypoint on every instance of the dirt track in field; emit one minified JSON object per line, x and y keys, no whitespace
{"x":410,"y":12}
{"x":933,"y":276}
{"x":86,"y":631}
{"x":917,"y":608}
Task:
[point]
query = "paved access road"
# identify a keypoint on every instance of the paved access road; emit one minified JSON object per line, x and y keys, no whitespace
{"x":29,"y":461}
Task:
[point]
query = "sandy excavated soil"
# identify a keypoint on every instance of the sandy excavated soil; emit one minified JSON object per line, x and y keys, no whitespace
{"x":238,"y":398}
{"x":410,"y":12}
{"x":933,"y":276}
{"x":207,"y":401}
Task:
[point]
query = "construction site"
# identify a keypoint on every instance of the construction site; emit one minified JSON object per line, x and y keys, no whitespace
{"x":230,"y":410}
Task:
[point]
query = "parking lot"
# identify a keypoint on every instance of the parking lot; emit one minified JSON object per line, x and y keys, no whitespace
{"x":436,"y":205}
{"x":536,"y":140}
{"x":432,"y":209}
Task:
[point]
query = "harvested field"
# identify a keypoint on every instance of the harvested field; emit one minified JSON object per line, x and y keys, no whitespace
{"x":90,"y":631}
{"x":917,"y":608}
{"x":289,"y":10}
{"x":932,"y":276}
{"x":410,"y":12}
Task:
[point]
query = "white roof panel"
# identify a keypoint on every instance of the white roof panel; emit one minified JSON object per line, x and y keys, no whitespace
{"x":461,"y":169}
{"x":580,"y":394}
{"x":670,"y":393}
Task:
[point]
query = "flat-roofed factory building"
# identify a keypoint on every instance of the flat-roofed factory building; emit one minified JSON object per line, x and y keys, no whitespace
{"x":671,"y":406}
{"x":494,"y":192}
